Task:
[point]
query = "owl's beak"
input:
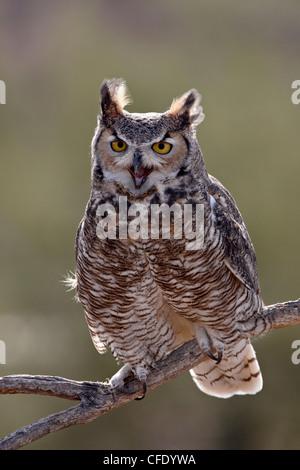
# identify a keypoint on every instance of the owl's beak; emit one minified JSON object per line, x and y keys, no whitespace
{"x":137,"y":162}
{"x":138,"y":171}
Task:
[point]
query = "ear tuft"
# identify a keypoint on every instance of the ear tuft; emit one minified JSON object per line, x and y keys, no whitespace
{"x":187,"y":108}
{"x":114,"y":96}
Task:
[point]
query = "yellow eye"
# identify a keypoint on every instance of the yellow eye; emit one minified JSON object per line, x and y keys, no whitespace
{"x":162,"y":147}
{"x":118,"y":145}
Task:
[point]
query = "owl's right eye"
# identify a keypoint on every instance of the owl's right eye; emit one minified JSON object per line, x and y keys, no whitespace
{"x":118,"y":145}
{"x":162,"y":147}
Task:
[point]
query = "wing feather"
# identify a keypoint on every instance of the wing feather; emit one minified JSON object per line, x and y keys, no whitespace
{"x":239,"y":254}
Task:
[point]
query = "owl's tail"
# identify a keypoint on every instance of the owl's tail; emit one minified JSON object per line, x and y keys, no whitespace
{"x":237,"y":374}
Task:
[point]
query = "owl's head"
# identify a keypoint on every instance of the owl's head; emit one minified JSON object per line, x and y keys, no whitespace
{"x":137,"y":150}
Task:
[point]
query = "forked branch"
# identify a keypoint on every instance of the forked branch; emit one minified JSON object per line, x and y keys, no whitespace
{"x":97,"y":398}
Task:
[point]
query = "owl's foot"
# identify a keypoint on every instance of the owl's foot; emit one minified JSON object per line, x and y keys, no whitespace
{"x":208,"y":342}
{"x":141,"y":374}
{"x":210,"y":354}
{"x":118,"y":380}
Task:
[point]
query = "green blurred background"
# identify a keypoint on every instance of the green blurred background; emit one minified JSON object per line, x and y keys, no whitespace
{"x":243,"y":58}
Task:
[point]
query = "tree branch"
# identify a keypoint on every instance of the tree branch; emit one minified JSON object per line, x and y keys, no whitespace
{"x":97,"y":398}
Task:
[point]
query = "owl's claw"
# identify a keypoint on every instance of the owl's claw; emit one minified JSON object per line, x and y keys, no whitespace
{"x":141,"y":374}
{"x":117,"y":381}
{"x":144,"y":385}
{"x":220,"y":355}
{"x":217,"y":359}
{"x":207,"y":342}
{"x":123,"y":389}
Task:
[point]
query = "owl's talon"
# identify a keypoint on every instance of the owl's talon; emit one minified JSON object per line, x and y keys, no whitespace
{"x":117,"y":381}
{"x":207,"y":341}
{"x":123,"y":389}
{"x":144,"y":385}
{"x":140,"y":398}
{"x":220,"y":355}
{"x":210,"y":354}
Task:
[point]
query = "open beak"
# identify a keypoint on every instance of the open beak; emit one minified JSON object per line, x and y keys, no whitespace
{"x":138,"y":171}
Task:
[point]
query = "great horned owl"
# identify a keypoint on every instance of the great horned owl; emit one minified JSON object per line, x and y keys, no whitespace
{"x":146,"y":295}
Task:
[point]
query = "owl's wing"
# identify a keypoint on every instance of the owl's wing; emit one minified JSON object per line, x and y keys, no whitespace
{"x":239,"y":254}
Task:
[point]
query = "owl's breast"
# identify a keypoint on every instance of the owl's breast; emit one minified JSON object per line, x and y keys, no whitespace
{"x":197,"y":283}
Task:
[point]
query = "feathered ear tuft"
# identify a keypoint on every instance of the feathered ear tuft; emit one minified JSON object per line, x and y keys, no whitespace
{"x":187,"y":108}
{"x":114,"y":96}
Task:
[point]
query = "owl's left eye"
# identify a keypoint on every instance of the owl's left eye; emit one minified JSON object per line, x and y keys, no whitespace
{"x":162,"y":147}
{"x":118,"y":145}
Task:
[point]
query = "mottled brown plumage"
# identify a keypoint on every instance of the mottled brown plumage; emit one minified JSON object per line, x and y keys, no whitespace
{"x":146,"y":295}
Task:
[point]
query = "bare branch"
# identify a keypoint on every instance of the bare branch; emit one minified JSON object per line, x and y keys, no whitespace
{"x":272,"y":317}
{"x":97,"y":398}
{"x":283,"y":314}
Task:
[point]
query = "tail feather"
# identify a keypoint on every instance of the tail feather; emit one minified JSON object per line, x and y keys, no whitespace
{"x":237,"y":374}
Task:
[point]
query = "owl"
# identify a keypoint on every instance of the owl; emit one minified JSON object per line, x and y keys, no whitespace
{"x":146,"y":285}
